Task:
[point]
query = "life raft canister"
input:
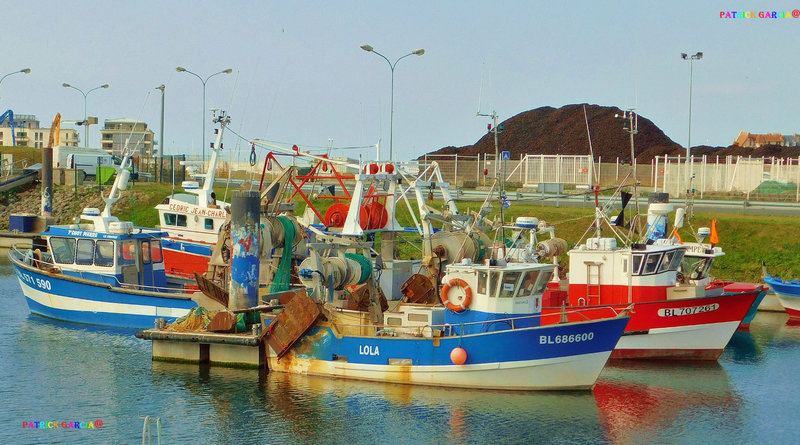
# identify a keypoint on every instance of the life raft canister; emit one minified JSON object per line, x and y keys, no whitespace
{"x":457,"y":282}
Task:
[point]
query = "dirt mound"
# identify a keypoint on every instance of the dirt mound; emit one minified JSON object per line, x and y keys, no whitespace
{"x":548,"y":130}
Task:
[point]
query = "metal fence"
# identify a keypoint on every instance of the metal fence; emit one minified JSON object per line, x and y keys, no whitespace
{"x":728,"y":174}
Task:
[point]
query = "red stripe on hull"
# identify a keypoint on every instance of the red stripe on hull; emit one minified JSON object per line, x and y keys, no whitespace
{"x":667,"y":354}
{"x":183,"y":264}
{"x":794,"y":313}
{"x":645,"y":315}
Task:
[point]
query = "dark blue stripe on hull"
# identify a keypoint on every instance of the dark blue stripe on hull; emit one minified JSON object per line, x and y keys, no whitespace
{"x":505,"y":346}
{"x":186,"y":247}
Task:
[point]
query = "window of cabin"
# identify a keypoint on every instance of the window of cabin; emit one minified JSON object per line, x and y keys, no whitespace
{"x":209,"y":224}
{"x":637,"y":264}
{"x":85,"y":253}
{"x":104,"y":253}
{"x":170,"y":219}
{"x":651,"y":264}
{"x":494,"y":278}
{"x":667,"y":261}
{"x":145,"y":252}
{"x":529,"y":283}
{"x":509,"y":284}
{"x":181,"y":222}
{"x":543,"y":280}
{"x":63,"y":250}
{"x":155,"y":251}
{"x":482,"y":283}
{"x":127,"y":252}
{"x":676,"y":260}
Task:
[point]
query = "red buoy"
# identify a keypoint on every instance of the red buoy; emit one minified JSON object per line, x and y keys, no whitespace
{"x":389,"y":168}
{"x":373,"y":169}
{"x":458,"y":355}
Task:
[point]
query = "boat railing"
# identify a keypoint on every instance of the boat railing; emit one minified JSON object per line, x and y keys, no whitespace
{"x":448,"y":329}
{"x":30,"y":259}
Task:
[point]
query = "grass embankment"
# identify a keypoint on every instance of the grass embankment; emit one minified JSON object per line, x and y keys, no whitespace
{"x":746,"y":239}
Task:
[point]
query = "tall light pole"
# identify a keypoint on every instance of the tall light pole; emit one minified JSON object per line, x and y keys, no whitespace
{"x":161,"y":87}
{"x":181,"y":69}
{"x":85,"y":121}
{"x":418,"y":52}
{"x":691,"y":59}
{"x":24,"y":70}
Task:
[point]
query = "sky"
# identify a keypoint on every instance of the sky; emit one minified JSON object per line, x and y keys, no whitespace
{"x":300,"y":77}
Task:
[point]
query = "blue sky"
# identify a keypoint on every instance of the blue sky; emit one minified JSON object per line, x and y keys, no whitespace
{"x":300,"y":77}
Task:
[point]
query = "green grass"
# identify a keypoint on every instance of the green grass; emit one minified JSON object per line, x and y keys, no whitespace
{"x":746,"y":239}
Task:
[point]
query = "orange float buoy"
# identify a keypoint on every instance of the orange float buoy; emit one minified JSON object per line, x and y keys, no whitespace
{"x":456,"y":282}
{"x":373,"y":169}
{"x":458,"y":356}
{"x":389,"y":168}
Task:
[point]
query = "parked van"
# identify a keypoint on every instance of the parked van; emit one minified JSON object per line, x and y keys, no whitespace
{"x":85,"y":159}
{"x":88,"y":163}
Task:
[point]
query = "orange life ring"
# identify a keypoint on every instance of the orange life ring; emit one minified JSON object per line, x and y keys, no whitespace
{"x":457,"y":282}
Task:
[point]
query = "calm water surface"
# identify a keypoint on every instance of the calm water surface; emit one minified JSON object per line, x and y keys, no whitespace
{"x":53,"y":371}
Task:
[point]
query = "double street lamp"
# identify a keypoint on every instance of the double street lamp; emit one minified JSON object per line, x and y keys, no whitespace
{"x":418,"y":52}
{"x":691,"y":59}
{"x":85,"y":121}
{"x":181,"y":69}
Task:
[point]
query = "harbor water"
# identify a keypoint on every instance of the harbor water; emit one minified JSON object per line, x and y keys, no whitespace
{"x":63,"y":373}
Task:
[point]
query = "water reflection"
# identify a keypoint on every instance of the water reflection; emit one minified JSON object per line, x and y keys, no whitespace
{"x":642,"y":402}
{"x":323,"y":410}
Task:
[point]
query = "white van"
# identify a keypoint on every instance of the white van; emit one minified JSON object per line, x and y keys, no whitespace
{"x":88,"y":163}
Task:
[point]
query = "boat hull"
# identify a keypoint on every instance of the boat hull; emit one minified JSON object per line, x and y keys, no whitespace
{"x":76,"y":300}
{"x":183,"y":258}
{"x":532,"y":358}
{"x":791,"y":303}
{"x":682,"y":329}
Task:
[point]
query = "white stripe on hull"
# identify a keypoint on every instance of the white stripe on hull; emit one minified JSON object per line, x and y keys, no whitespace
{"x":789,"y":302}
{"x":83,"y":305}
{"x":713,"y":336}
{"x":575,"y":372}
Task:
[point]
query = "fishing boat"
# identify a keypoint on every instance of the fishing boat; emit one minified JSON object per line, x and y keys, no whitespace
{"x":788,"y":293}
{"x":192,"y":220}
{"x":484,"y":331}
{"x":498,"y":343}
{"x":101,"y":271}
{"x":672,"y":318}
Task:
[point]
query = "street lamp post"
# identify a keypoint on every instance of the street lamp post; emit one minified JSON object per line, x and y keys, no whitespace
{"x":691,"y":59}
{"x":24,"y":70}
{"x":85,"y":121}
{"x":161,"y":87}
{"x":418,"y":52}
{"x":181,"y":69}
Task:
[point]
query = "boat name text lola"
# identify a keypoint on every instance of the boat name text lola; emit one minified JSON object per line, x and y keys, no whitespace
{"x":368,"y":350}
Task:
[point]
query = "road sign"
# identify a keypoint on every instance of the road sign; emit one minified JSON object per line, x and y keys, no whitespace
{"x":505,"y":156}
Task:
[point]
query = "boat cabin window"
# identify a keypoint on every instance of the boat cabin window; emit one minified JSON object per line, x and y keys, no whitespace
{"x":509,"y":285}
{"x":697,"y":268}
{"x":85,"y":252}
{"x":667,"y":261}
{"x":155,"y":251}
{"x":172,"y":219}
{"x":127,"y":252}
{"x":104,"y":253}
{"x":145,"y":252}
{"x":529,"y":283}
{"x":494,"y":277}
{"x":543,"y":280}
{"x":651,"y":263}
{"x":209,"y":224}
{"x":676,"y":260}
{"x":63,"y":250}
{"x":482,"y":283}
{"x":637,"y":264}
